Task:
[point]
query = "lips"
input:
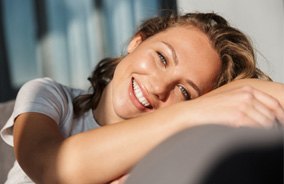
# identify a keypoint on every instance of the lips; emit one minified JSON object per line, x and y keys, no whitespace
{"x":139,"y":95}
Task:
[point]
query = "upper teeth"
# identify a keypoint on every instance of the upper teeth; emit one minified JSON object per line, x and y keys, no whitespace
{"x":139,"y":95}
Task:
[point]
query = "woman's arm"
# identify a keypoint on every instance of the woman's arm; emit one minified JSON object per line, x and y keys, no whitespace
{"x":106,"y":153}
{"x":99,"y":155}
{"x":254,"y":101}
{"x":274,"y":89}
{"x":271,"y":94}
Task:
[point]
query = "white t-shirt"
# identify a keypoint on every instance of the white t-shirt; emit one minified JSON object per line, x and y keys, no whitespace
{"x":54,"y":100}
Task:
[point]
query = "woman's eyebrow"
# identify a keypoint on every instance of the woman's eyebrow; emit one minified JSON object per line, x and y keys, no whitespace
{"x":173,"y":52}
{"x":194,"y":86}
{"x":174,"y":55}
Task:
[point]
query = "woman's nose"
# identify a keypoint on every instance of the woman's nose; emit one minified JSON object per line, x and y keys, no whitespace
{"x":162,"y":87}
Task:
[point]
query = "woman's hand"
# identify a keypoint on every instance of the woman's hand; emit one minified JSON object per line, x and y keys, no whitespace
{"x":238,"y":105}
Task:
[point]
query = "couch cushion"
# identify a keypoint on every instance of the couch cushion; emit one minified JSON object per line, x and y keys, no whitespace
{"x":7,"y":155}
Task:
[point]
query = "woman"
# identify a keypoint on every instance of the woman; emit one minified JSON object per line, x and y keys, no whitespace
{"x":160,"y":87}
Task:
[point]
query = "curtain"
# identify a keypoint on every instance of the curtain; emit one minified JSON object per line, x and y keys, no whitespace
{"x":64,"y":39}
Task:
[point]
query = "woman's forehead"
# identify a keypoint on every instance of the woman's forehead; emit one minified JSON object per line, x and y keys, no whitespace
{"x":199,"y":61}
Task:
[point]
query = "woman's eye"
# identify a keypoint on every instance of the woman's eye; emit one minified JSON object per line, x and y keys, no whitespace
{"x":162,"y":59}
{"x":184,"y":92}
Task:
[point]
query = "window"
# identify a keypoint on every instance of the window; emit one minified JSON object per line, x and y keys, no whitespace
{"x":64,"y":39}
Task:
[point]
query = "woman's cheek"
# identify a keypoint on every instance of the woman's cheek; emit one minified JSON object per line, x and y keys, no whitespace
{"x":148,"y":64}
{"x":144,"y":65}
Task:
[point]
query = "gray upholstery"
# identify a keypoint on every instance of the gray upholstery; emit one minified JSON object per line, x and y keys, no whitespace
{"x":6,"y":152}
{"x":214,"y":154}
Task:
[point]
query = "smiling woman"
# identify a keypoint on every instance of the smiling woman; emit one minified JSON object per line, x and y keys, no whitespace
{"x":161,"y":74}
{"x":180,"y":71}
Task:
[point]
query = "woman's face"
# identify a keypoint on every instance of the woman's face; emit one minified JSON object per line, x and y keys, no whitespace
{"x":175,"y":65}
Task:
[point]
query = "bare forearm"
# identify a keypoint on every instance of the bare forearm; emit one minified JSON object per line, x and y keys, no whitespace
{"x":98,"y":156}
{"x":106,"y":153}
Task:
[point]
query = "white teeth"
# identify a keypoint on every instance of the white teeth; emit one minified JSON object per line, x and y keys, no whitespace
{"x":139,"y":95}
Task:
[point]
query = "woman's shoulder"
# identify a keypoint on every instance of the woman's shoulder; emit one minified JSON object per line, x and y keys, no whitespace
{"x":45,"y":93}
{"x":45,"y":82}
{"x":48,"y":86}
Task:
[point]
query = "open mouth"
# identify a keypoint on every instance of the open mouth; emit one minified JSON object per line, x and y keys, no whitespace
{"x":139,"y":95}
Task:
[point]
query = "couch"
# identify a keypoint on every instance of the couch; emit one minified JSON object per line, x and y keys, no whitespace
{"x":7,"y":157}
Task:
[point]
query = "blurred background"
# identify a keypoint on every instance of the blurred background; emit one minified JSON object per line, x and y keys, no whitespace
{"x":64,"y":39}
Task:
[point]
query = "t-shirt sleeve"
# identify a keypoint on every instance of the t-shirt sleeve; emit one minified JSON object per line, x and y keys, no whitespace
{"x":40,"y":95}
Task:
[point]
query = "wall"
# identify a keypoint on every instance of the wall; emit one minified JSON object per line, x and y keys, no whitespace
{"x":261,"y":20}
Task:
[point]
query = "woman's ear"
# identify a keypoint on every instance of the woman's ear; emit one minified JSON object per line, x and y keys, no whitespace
{"x":134,"y":43}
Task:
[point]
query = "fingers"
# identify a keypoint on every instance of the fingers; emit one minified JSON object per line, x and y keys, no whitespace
{"x":242,"y":106}
{"x":259,"y":115}
{"x":272,"y":104}
{"x":263,"y":109}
